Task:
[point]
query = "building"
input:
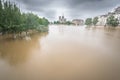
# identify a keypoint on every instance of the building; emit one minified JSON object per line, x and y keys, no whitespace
{"x":62,"y":19}
{"x":118,"y":17}
{"x":103,"y":18}
{"x":117,"y":10}
{"x":117,"y":13}
{"x":78,"y":22}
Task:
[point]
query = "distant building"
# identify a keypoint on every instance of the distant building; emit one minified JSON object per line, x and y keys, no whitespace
{"x":117,"y":10}
{"x":78,"y":22}
{"x":117,"y":13}
{"x":118,"y":17}
{"x":102,"y":20}
{"x":62,"y":19}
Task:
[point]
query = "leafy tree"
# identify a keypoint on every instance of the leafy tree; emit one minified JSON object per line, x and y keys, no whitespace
{"x":95,"y":21}
{"x":1,"y":15}
{"x":1,"y":10}
{"x":44,"y":21}
{"x":13,"y":21}
{"x":68,"y":23}
{"x":112,"y":21}
{"x":56,"y":22}
{"x":88,"y":21}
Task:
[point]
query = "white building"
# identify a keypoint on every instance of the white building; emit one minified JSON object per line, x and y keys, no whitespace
{"x":103,"y":18}
{"x":117,"y":13}
{"x":118,"y":17}
{"x":117,"y":10}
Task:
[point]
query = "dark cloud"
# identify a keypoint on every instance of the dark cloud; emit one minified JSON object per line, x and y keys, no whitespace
{"x":90,"y":8}
{"x":78,"y":2}
{"x":35,"y":3}
{"x":71,"y":8}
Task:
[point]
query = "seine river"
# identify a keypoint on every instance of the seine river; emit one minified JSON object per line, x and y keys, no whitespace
{"x":64,"y":53}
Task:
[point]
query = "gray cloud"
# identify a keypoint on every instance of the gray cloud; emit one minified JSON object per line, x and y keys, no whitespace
{"x":71,"y":8}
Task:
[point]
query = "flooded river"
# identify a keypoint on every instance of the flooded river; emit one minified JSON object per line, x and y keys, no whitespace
{"x":64,"y":53}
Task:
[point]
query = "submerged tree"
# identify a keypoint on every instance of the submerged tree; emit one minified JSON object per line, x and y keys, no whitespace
{"x":112,"y":21}
{"x":88,"y":22}
{"x":95,"y":21}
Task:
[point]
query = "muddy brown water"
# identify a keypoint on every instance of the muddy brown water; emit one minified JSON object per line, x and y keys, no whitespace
{"x":64,"y":53}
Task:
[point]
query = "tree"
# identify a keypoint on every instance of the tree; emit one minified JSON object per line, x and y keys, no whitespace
{"x":1,"y":10}
{"x":1,"y":15}
{"x":13,"y":21}
{"x":56,"y":22}
{"x":68,"y":22}
{"x":112,"y":21}
{"x":95,"y":21}
{"x":88,"y":21}
{"x":44,"y":21}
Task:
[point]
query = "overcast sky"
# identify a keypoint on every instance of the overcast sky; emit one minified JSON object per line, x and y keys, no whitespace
{"x":71,"y":9}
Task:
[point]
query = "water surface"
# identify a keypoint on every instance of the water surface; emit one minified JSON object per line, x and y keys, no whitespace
{"x":64,"y":53}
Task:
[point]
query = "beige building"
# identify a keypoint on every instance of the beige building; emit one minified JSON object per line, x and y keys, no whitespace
{"x":78,"y":22}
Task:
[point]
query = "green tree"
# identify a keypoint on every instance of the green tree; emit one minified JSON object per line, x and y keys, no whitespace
{"x":88,"y":22}
{"x":56,"y":22}
{"x":112,"y":21}
{"x":1,"y":10}
{"x":95,"y":21}
{"x":13,"y":21}
{"x":44,"y":21}
{"x":68,"y":23}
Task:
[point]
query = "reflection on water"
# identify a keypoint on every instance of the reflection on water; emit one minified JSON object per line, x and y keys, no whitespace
{"x":17,"y":51}
{"x":65,"y":53}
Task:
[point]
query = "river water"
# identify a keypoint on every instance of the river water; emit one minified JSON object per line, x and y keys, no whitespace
{"x":64,"y":53}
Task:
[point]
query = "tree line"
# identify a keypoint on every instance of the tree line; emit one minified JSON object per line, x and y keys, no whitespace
{"x":111,"y":21}
{"x":12,"y":20}
{"x":65,"y":23}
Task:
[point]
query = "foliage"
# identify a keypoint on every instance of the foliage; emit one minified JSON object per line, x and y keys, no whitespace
{"x":13,"y":21}
{"x":95,"y":21}
{"x":68,"y":22}
{"x":88,"y":21}
{"x":44,"y":21}
{"x":112,"y":21}
{"x":56,"y":22}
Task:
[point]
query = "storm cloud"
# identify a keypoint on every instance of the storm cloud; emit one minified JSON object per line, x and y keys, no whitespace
{"x":51,"y":9}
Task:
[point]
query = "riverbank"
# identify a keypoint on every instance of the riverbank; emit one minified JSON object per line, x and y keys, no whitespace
{"x":23,"y":34}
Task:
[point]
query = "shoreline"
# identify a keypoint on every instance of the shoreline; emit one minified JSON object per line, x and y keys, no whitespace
{"x":21,"y":35}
